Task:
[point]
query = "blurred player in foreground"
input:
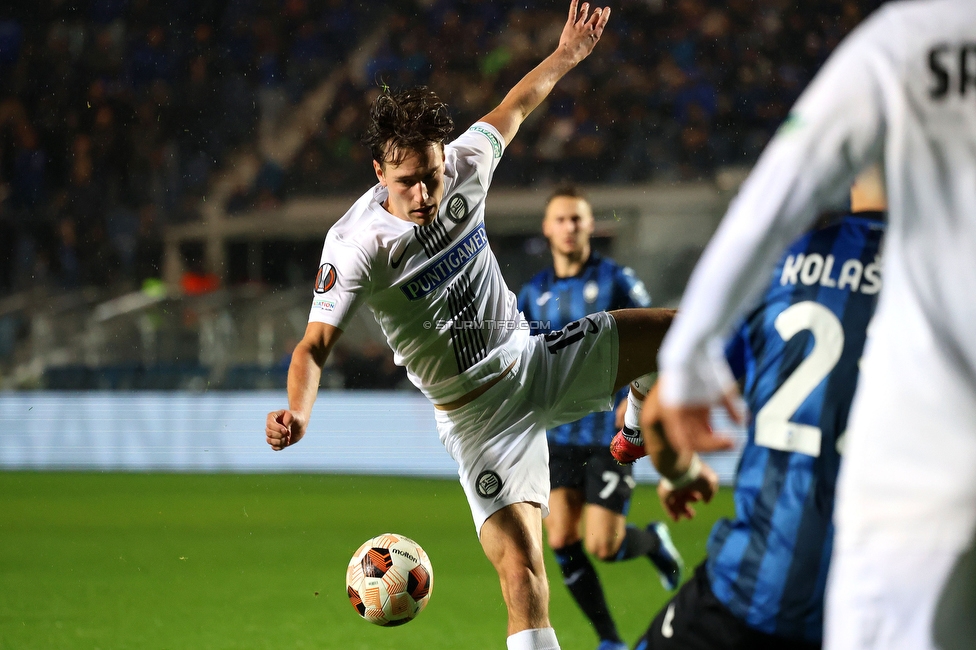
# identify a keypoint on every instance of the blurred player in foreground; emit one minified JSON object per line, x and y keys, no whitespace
{"x":415,"y":251}
{"x":762,"y":584}
{"x":901,"y":89}
{"x":584,"y":477}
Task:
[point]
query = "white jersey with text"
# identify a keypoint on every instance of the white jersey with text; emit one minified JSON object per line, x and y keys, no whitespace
{"x":435,"y":290}
{"x":900,"y":90}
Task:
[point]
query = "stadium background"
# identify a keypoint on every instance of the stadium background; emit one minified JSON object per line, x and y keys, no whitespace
{"x":167,"y":174}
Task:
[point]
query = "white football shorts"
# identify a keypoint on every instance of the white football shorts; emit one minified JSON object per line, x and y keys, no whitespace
{"x":499,"y":438}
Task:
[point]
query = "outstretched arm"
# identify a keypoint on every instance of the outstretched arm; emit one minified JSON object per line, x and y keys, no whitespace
{"x":581,"y":33}
{"x":287,"y":426}
{"x":685,"y":478}
{"x":834,"y":130}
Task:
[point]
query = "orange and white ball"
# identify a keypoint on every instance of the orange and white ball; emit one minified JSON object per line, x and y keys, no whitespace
{"x":389,"y":579}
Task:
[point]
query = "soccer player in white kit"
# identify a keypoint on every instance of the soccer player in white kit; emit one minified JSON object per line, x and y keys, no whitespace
{"x":901,"y":90}
{"x":414,"y":250}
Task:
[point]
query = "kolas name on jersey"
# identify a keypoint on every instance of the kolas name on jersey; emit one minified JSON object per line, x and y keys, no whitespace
{"x":814,"y":268}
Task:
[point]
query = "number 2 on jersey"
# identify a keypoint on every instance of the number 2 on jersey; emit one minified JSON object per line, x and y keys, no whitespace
{"x":773,"y":426}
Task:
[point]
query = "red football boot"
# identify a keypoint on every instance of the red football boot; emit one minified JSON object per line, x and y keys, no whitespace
{"x":627,"y":446}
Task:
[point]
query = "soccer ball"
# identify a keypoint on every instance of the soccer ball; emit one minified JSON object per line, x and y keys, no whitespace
{"x":389,"y":579}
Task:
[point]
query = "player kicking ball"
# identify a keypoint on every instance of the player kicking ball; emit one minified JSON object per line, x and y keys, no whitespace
{"x":588,"y":486}
{"x":414,"y":250}
{"x":762,"y":584}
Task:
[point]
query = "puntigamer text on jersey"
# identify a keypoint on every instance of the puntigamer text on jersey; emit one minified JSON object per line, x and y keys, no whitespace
{"x":431,"y":277}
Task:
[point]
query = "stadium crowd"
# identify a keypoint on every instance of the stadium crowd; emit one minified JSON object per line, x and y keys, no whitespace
{"x":114,"y":114}
{"x":679,"y":87}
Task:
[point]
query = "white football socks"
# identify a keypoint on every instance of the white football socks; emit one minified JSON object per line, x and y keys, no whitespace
{"x":643,"y":383}
{"x":640,"y":385}
{"x":543,"y":638}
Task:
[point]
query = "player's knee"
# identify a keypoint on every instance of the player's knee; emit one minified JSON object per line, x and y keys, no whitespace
{"x":560,"y":539}
{"x":603,"y":548}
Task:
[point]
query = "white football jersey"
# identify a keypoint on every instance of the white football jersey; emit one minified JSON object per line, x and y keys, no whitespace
{"x":435,"y":290}
{"x":901,"y":90}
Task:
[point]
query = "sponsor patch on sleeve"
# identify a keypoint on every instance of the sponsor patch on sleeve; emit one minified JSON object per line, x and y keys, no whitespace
{"x":323,"y":303}
{"x":496,"y":146}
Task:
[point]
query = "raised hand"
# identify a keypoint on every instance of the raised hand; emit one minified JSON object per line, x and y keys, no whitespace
{"x":583,"y":29}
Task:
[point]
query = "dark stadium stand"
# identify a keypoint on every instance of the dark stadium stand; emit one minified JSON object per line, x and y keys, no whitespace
{"x":678,"y":88}
{"x":116,"y":116}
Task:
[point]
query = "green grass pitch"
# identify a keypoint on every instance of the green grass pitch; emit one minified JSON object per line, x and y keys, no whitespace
{"x":169,"y":561}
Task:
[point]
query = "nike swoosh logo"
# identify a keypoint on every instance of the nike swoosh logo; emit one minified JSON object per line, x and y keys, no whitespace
{"x":573,"y":577}
{"x":396,"y":263}
{"x":666,"y":630}
{"x":593,"y":328}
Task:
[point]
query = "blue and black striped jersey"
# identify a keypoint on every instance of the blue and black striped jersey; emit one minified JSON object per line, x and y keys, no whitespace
{"x":550,"y":303}
{"x":797,"y":354}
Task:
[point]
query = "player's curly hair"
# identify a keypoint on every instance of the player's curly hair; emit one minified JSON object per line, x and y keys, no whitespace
{"x":404,"y":121}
